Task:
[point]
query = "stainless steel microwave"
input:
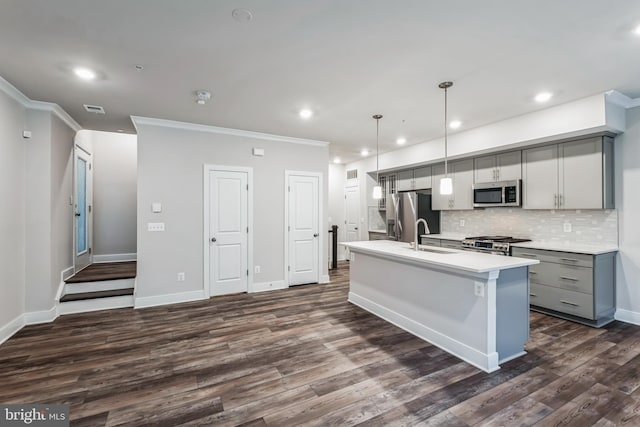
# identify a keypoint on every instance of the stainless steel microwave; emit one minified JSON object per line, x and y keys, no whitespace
{"x":503,"y":193}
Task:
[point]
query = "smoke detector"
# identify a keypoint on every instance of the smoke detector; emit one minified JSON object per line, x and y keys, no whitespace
{"x":202,"y":96}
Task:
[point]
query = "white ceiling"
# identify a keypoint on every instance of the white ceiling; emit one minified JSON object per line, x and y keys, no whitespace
{"x":346,"y":60}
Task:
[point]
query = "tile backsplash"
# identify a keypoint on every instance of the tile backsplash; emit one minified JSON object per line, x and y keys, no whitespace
{"x":587,"y":226}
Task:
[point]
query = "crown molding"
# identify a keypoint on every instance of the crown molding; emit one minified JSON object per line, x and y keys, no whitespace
{"x":57,"y":110}
{"x":137,"y":120}
{"x":621,"y":99}
{"x":14,"y":93}
{"x":27,"y":103}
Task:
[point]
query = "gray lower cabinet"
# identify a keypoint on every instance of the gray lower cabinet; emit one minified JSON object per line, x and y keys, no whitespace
{"x":578,"y":287}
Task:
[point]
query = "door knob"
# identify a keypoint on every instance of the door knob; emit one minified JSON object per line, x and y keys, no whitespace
{"x":213,"y":239}
{"x":77,"y":213}
{"x":315,"y":234}
{"x":355,"y":228}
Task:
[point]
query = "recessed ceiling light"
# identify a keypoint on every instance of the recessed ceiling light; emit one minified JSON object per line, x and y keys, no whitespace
{"x":364,"y":152}
{"x":305,"y":113}
{"x":84,"y":73}
{"x":543,"y":96}
{"x":455,"y":124}
{"x":336,"y":160}
{"x":401,"y":141}
{"x":636,"y":30}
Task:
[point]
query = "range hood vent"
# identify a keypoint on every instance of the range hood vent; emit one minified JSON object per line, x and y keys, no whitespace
{"x":352,"y":174}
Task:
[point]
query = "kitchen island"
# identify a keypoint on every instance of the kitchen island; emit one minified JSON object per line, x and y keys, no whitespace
{"x":473,"y":305}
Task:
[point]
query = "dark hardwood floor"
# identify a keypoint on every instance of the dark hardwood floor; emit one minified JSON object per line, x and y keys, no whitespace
{"x":105,"y":271}
{"x":306,"y":356}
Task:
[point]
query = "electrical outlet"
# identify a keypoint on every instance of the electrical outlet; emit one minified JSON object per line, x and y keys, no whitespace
{"x":478,"y":289}
{"x":567,"y":227}
{"x":256,"y":269}
{"x":181,"y":276}
{"x":155,"y":226}
{"x":462,"y":223}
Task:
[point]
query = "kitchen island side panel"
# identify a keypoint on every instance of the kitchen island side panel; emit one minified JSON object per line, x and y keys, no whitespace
{"x":436,"y":305}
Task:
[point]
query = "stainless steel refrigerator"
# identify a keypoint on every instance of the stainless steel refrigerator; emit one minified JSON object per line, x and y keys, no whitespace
{"x":404,"y":209}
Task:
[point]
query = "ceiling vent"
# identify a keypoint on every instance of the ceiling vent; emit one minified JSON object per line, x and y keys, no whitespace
{"x":96,"y":109}
{"x":352,"y":174}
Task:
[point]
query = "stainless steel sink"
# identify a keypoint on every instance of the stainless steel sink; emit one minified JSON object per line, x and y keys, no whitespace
{"x":434,"y":250}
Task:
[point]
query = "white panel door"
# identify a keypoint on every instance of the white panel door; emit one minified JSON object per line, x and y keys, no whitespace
{"x":228,"y":228}
{"x":83,"y":201}
{"x":352,"y":213}
{"x":304,"y":229}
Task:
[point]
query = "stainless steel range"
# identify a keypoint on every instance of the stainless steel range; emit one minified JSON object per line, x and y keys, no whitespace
{"x":496,"y":245}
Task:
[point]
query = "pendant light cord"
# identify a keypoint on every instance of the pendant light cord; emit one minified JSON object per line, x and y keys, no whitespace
{"x":445,"y":132}
{"x":377,"y":152}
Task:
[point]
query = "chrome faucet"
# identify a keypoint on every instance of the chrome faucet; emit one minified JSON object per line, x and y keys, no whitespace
{"x":426,"y":230}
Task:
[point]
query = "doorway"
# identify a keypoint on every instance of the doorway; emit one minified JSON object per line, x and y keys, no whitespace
{"x":227,"y":220}
{"x":82,"y":212}
{"x":352,"y":213}
{"x":303,"y":212}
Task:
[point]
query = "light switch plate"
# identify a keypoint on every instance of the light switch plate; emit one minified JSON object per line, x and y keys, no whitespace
{"x":155,"y":226}
{"x":479,"y":289}
{"x":567,"y":227}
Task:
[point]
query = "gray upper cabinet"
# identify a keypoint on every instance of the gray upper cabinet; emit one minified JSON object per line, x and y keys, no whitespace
{"x":414,"y":179}
{"x":498,"y":167}
{"x":571,"y":175}
{"x":461,"y":172}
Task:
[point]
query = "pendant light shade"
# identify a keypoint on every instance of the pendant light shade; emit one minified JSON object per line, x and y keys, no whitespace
{"x":446,"y":183}
{"x":377,"y":190}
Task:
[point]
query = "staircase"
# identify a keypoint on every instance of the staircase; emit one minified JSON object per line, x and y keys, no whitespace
{"x":99,"y":287}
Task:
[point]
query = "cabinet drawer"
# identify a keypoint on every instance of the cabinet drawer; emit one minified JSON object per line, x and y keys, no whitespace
{"x":562,"y":276}
{"x":569,"y":302}
{"x":453,"y":244}
{"x":566,"y":258}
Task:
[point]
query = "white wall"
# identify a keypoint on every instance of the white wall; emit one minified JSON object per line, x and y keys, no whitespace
{"x":337,"y":181}
{"x":12,"y":210}
{"x":170,"y":171}
{"x":627,"y":165}
{"x":115,"y":168}
{"x":61,"y":181}
{"x":38,"y":236}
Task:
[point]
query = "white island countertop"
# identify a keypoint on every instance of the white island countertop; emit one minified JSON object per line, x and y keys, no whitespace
{"x":443,"y":257}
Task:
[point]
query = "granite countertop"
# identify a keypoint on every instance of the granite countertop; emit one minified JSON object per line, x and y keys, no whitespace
{"x":450,"y":258}
{"x":579,"y":248}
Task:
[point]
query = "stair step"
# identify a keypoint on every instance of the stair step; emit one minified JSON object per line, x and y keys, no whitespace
{"x":105,"y":271}
{"x":98,"y":294}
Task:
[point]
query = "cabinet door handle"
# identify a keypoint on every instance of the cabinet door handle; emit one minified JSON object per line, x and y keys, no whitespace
{"x":555,"y":200}
{"x":569,"y":259}
{"x":573,"y":304}
{"x":560,"y":201}
{"x":533,"y":272}
{"x":494,"y":175}
{"x":573,"y":279}
{"x":529,"y":255}
{"x":533,"y":295}
{"x":497,"y":174}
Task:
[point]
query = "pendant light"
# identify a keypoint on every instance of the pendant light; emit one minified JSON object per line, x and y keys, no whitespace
{"x":446,"y":183}
{"x":377,"y":190}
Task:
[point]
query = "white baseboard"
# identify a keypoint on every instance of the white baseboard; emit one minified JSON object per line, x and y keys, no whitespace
{"x":269,"y":286}
{"x":8,"y":330}
{"x":486,"y":362}
{"x":97,"y":259}
{"x":628,"y":316}
{"x":324,"y":278}
{"x":66,"y":273}
{"x":97,"y":304}
{"x":142,"y":302}
{"x":46,"y":316}
{"x":103,"y":285}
